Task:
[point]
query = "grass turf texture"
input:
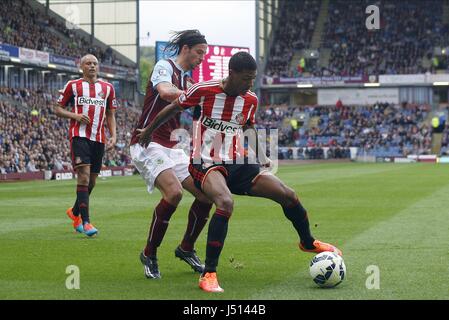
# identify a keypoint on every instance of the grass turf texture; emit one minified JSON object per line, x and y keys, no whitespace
{"x":391,"y":216}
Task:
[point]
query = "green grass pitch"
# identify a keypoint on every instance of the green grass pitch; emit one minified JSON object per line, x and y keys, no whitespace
{"x":391,"y":216}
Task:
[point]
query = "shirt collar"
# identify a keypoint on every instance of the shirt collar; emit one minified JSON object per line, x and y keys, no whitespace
{"x":178,"y":66}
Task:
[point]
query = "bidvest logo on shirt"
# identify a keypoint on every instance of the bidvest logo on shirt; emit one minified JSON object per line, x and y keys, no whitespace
{"x":221,"y":126}
{"x":91,"y":101}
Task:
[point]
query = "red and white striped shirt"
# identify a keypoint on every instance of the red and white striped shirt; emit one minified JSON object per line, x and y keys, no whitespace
{"x":218,"y":130}
{"x":91,"y":99}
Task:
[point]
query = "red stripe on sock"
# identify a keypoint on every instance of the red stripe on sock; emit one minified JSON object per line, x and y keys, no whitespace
{"x":167,"y":205}
{"x":81,"y":188}
{"x":215,"y":244}
{"x":223,"y":213}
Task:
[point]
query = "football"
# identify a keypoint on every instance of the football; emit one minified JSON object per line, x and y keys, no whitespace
{"x":327,"y":269}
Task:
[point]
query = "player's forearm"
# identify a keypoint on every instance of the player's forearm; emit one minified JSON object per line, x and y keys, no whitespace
{"x":169,"y":92}
{"x":112,"y":125}
{"x":60,"y":112}
{"x":166,"y":114}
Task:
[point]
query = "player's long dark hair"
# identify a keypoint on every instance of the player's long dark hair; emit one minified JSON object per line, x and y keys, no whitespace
{"x":186,"y":37}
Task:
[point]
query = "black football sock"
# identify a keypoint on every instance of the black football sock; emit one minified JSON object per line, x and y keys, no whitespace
{"x":76,"y":207}
{"x":82,"y":193}
{"x":218,"y":228}
{"x":298,"y":216}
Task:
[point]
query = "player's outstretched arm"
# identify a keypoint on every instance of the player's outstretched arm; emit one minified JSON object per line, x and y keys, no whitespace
{"x":168,"y":91}
{"x":166,"y":114}
{"x":61,"y":112}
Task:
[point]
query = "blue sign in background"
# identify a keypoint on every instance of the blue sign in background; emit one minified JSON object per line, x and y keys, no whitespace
{"x":161,"y":53}
{"x":12,"y":51}
{"x":66,"y":61}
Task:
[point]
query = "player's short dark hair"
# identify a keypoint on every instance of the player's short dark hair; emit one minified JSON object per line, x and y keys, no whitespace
{"x":242,"y":61}
{"x":187,"y":37}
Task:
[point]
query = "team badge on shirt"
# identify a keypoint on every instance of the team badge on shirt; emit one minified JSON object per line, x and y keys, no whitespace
{"x":240,"y":119}
{"x":162,"y":72}
{"x":182,"y":97}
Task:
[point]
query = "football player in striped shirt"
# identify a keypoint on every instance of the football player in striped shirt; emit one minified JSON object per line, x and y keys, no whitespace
{"x":228,"y":108}
{"x":92,"y":104}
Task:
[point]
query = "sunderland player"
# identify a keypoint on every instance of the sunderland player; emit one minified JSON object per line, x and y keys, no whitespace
{"x":92,"y":102}
{"x":227,"y":108}
{"x":163,"y":165}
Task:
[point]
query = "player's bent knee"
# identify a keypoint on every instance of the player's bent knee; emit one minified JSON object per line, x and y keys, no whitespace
{"x":225,"y":203}
{"x":174,"y":196}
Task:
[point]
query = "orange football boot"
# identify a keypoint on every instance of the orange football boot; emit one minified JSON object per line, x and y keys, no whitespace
{"x":321,"y":247}
{"x":77,"y":222}
{"x":209,"y":283}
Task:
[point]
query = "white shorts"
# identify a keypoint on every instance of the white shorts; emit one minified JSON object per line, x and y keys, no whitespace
{"x":154,"y":159}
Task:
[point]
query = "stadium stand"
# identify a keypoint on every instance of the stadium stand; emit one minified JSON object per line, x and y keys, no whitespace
{"x":294,"y":33}
{"x":23,"y":26}
{"x":411,"y":30}
{"x":38,"y":143}
{"x":381,"y":130}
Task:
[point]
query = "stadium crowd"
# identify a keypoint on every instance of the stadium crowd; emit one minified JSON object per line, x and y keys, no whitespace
{"x":294,"y":33}
{"x":23,"y":26}
{"x":40,"y":141}
{"x":382,"y":129}
{"x":409,"y":32}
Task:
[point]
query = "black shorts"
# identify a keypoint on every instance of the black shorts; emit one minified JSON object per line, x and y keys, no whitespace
{"x":87,"y":152}
{"x":239,"y":177}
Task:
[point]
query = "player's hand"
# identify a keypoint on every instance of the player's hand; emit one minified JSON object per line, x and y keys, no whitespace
{"x":111,"y":143}
{"x":144,"y":137}
{"x":82,"y":118}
